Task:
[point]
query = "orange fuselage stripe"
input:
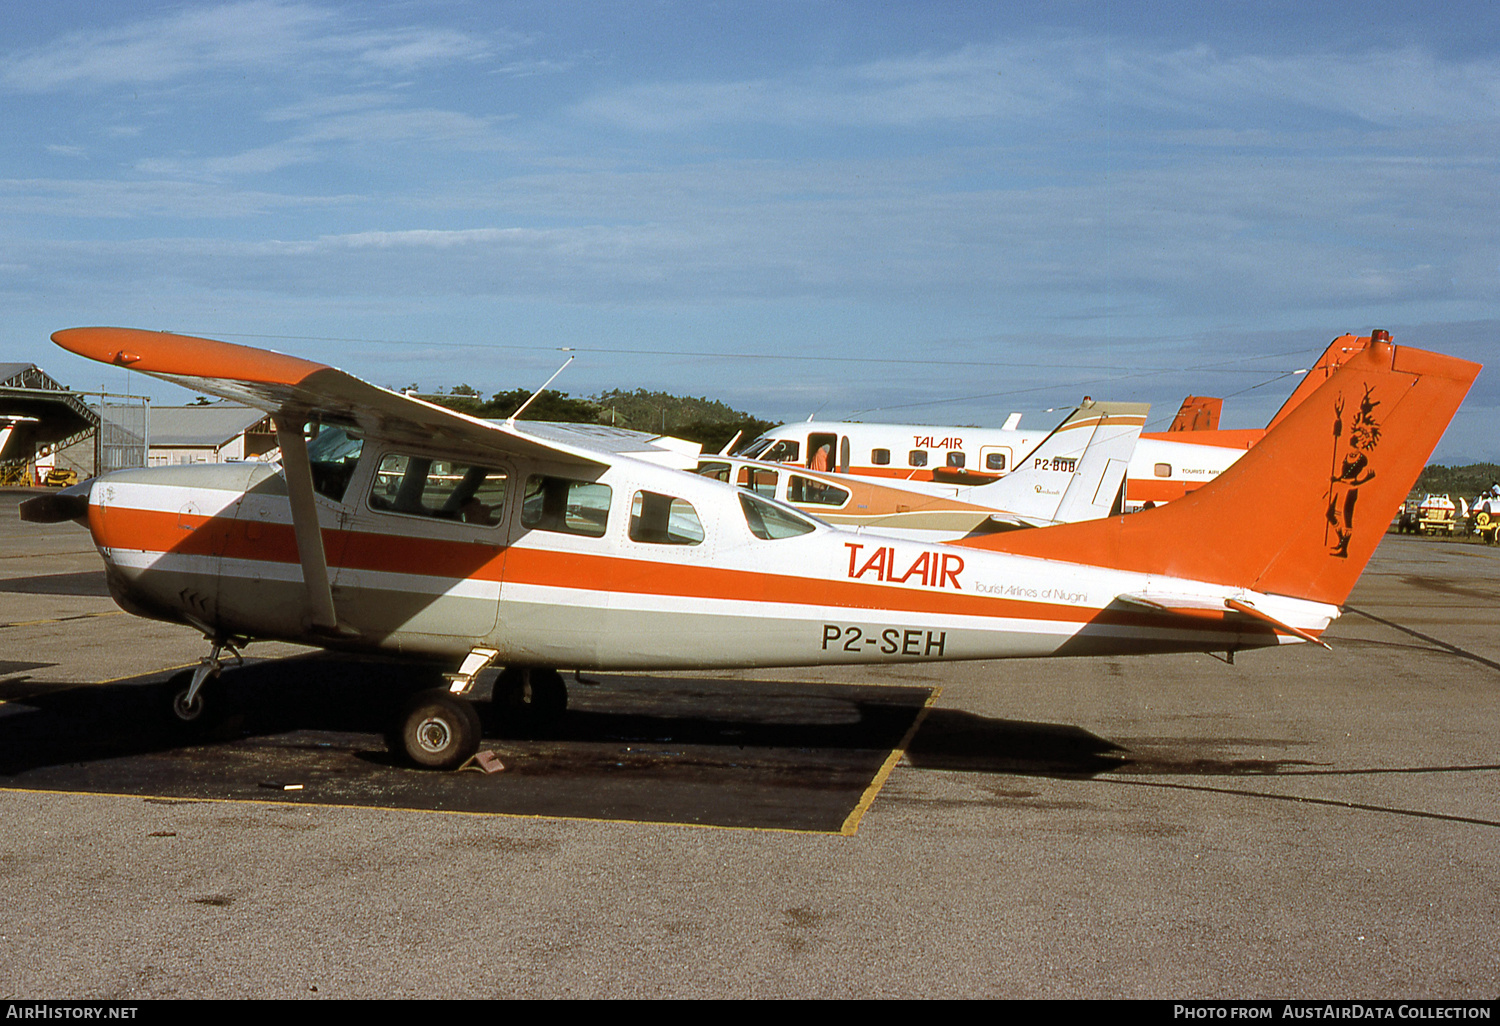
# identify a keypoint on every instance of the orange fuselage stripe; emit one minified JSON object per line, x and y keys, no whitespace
{"x":158,"y":531}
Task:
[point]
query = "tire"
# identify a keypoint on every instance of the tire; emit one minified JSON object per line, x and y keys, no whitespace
{"x":177,"y":717}
{"x":437,"y":730}
{"x":528,"y":699}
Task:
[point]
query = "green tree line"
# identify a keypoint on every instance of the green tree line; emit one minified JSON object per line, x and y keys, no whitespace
{"x":1465,"y":481}
{"x":707,"y":421}
{"x":714,"y":423}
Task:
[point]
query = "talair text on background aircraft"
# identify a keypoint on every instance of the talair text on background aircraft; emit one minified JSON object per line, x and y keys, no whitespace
{"x":1165,"y":465}
{"x":405,"y":529}
{"x":1076,"y":473}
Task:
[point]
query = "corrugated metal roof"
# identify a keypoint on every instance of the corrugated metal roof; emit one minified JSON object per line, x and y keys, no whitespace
{"x":214,"y":424}
{"x":13,"y":370}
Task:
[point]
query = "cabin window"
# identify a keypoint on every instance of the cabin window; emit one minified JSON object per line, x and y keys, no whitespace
{"x":333,"y":455}
{"x":880,"y":457}
{"x":994,"y":461}
{"x":716,"y":471}
{"x":422,"y":487}
{"x":805,"y":490}
{"x":956,"y":460}
{"x":1164,"y":470}
{"x":783,"y":451}
{"x":566,"y":506}
{"x":758,"y":480}
{"x":664,"y":520}
{"x":771,"y":523}
{"x":917,"y":458}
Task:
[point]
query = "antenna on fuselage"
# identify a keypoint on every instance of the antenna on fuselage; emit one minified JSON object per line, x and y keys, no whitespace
{"x":511,"y":420}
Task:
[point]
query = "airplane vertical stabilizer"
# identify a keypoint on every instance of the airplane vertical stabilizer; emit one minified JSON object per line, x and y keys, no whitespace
{"x":1076,"y":472}
{"x":1301,"y":513}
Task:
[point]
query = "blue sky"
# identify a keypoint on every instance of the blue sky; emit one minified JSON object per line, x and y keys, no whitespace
{"x":929,"y":212}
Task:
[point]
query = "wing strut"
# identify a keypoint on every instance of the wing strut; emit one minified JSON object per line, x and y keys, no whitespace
{"x":299,"y":486}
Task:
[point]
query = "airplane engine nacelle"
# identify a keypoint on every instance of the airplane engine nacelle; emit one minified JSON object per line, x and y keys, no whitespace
{"x":163,"y":532}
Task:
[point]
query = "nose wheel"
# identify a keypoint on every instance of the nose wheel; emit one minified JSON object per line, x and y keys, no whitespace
{"x":191,"y":706}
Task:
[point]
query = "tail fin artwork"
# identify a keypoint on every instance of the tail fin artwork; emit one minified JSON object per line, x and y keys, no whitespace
{"x":1077,"y":471}
{"x":1301,"y":513}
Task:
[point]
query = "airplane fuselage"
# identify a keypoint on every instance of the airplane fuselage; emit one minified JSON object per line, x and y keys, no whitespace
{"x":635,"y":567}
{"x":1162,"y":468}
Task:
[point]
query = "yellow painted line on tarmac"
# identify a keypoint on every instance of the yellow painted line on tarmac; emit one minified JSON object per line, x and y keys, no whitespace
{"x":851,"y":824}
{"x":167,"y":799}
{"x":75,"y":685}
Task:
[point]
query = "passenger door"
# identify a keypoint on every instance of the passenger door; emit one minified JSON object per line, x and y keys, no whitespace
{"x":424,"y":547}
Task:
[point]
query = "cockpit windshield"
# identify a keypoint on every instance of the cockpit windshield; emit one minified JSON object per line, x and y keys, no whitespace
{"x":753,"y":449}
{"x":333,"y":455}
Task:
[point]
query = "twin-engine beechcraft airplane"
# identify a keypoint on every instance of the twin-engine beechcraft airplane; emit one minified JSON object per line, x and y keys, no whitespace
{"x":1076,"y":473}
{"x":1164,"y":466}
{"x":404,"y":529}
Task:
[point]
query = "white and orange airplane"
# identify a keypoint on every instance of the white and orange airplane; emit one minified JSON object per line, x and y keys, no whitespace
{"x":408,"y":530}
{"x":1165,"y":465}
{"x":1076,"y":473}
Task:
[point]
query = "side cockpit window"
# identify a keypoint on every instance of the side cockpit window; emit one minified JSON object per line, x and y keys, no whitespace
{"x":442,"y":489}
{"x":333,"y":453}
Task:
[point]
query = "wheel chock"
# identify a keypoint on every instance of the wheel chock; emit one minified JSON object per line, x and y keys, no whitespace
{"x":485,"y":762}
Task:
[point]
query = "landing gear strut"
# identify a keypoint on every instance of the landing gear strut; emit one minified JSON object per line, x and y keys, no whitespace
{"x":438,"y":728}
{"x":441,"y":729}
{"x":529,"y":698}
{"x":188,"y":706}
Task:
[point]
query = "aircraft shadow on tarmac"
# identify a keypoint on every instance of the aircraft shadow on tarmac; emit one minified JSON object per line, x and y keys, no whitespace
{"x":768,"y":754}
{"x":732,"y":753}
{"x":90,"y":584}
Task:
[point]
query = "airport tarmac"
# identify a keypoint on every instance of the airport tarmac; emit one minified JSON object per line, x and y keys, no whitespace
{"x":1301,"y":824}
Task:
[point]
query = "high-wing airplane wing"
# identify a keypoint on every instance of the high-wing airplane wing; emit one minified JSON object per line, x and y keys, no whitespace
{"x":294,"y":391}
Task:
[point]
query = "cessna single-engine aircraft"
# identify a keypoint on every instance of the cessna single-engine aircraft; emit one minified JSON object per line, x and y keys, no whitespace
{"x":1077,"y":473}
{"x":1165,"y":465}
{"x":409,"y":530}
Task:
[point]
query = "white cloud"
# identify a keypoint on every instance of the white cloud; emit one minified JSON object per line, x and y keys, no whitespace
{"x":226,"y":39}
{"x":1029,"y":80}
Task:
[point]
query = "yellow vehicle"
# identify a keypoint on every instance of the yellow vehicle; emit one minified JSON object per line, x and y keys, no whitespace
{"x":61,"y":477}
{"x":1487,"y":518}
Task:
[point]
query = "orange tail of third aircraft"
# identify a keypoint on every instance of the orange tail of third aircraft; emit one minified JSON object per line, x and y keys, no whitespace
{"x":1301,"y":513}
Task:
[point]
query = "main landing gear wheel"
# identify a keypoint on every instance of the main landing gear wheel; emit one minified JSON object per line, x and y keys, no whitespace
{"x":528,"y":698}
{"x":437,"y":730}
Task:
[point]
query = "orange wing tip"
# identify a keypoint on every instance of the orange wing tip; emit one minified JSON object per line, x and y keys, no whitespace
{"x":161,"y":352}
